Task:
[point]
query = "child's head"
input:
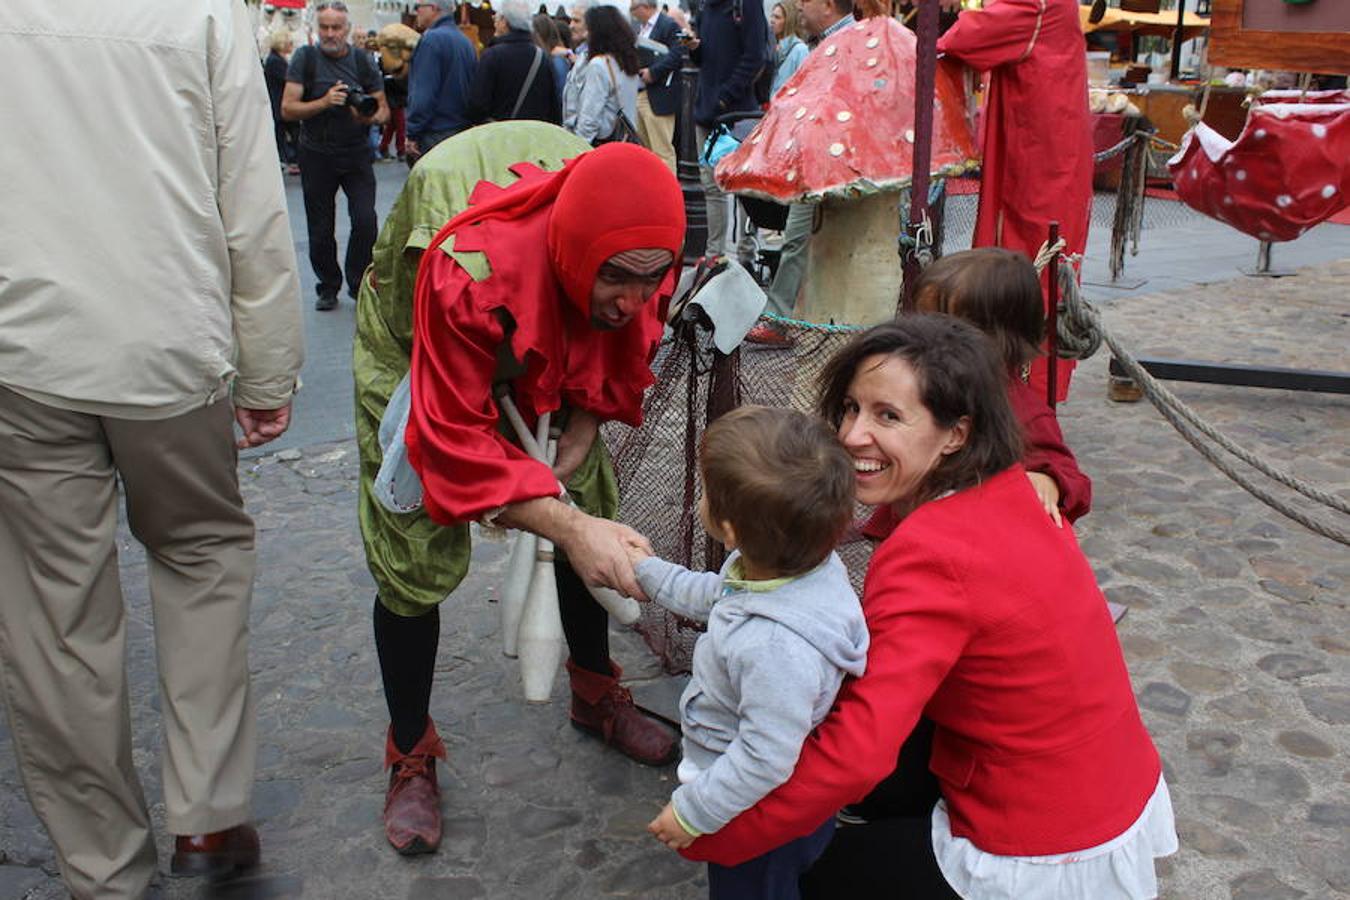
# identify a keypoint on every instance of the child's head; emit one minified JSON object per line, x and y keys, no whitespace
{"x":777,"y":485}
{"x":995,"y":290}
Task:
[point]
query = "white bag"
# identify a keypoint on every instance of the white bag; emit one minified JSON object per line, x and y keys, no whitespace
{"x":397,"y":487}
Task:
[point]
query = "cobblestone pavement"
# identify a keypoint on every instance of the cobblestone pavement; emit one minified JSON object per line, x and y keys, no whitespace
{"x":1236,"y":637}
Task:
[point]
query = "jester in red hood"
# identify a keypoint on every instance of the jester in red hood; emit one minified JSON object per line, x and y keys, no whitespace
{"x":1037,"y":130}
{"x":548,"y":282}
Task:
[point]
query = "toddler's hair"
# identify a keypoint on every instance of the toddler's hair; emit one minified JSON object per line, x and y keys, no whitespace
{"x":997,"y":291}
{"x":783,"y":481}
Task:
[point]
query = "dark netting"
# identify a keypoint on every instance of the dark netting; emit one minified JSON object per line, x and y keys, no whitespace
{"x":658,"y":477}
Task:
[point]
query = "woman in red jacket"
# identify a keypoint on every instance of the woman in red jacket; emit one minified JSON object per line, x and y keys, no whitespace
{"x":986,"y":618}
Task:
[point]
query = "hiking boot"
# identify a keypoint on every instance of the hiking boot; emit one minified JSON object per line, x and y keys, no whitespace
{"x":604,"y":708}
{"x":412,"y":804}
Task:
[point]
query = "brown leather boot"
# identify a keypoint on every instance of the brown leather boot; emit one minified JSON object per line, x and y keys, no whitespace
{"x":215,"y":854}
{"x":412,"y":805}
{"x":601,"y":706}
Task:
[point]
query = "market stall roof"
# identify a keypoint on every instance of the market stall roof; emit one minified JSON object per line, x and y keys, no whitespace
{"x":1163,"y":24}
{"x":843,"y":124}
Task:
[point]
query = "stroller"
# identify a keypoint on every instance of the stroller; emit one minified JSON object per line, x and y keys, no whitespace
{"x":726,"y":135}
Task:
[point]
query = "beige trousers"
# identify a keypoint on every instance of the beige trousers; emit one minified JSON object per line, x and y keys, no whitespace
{"x":63,"y":634}
{"x":657,"y":132}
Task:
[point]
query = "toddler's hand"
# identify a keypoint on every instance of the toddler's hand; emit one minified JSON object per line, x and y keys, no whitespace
{"x":1048,"y":491}
{"x":668,"y":830}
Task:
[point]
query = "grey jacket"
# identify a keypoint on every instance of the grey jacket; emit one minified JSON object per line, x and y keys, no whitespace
{"x":765,"y":674}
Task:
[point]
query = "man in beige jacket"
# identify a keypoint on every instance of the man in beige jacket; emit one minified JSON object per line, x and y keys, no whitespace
{"x":148,"y":301}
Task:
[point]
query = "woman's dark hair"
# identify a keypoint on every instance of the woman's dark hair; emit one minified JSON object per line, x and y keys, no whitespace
{"x":958,"y":376}
{"x":997,"y":291}
{"x":546,"y":32}
{"x":612,"y":36}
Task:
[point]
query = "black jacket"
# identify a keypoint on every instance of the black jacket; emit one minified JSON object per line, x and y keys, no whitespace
{"x":500,"y":75}
{"x":733,"y":49}
{"x":664,"y":91}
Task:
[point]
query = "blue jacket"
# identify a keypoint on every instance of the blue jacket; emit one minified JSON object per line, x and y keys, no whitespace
{"x":438,"y":86}
{"x":664,"y":91}
{"x":730,"y":56}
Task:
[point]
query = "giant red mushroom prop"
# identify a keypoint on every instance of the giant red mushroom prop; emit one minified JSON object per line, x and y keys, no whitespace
{"x":840,"y":132}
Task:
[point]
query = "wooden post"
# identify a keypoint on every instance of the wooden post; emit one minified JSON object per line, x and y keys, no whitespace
{"x":925,"y":84}
{"x":1177,"y":41}
{"x":1052,"y":323}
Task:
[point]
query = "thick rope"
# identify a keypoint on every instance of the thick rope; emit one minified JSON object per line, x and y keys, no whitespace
{"x":1191,"y":427}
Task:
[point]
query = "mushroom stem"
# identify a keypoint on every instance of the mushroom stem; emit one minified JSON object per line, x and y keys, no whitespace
{"x":853,"y":264}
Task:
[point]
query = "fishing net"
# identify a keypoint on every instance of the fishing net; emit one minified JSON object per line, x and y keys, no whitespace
{"x":656,"y":465}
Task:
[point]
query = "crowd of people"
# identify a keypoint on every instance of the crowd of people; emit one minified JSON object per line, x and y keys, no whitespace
{"x":966,"y":728}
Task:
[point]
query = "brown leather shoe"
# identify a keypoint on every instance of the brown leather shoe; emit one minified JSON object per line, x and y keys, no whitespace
{"x":412,"y":805}
{"x":217,"y":853}
{"x":604,"y":708}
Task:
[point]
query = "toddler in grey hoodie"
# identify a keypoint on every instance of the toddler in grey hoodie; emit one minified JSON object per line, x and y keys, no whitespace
{"x":784,"y":628}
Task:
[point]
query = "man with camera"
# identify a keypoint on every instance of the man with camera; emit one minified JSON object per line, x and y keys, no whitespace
{"x":336,"y":93}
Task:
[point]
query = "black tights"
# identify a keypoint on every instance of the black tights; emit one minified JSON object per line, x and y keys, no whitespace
{"x":407,"y":647}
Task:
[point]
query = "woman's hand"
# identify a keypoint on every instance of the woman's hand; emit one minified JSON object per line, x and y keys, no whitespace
{"x":1048,"y":490}
{"x":668,"y":830}
{"x":574,"y":443}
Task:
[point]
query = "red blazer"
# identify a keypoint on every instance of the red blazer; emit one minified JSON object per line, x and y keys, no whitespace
{"x":985,"y":617}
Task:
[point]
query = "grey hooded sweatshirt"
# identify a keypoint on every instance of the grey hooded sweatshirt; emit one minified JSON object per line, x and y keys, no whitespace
{"x":765,"y":673}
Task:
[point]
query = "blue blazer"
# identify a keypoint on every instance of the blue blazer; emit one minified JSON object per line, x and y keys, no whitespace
{"x":664,"y":91}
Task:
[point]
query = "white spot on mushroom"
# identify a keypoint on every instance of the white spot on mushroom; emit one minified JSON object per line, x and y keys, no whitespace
{"x":860,"y":26}
{"x":757,"y":138}
{"x":791,"y":175}
{"x":1319,"y":130}
{"x":1329,"y":191}
{"x":1227,"y":200}
{"x":909,"y":135}
{"x":800,"y":113}
{"x":844,"y":115}
{"x":1259,"y":133}
{"x":1240,"y":174}
{"x":788,"y":144}
{"x":836,"y":149}
{"x":871,"y":62}
{"x":1284,"y":200}
{"x":791,"y":91}
{"x":832,"y":50}
{"x":872,"y":42}
{"x":745,"y":168}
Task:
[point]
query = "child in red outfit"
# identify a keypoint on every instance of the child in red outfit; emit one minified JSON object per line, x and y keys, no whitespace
{"x":998,"y":291}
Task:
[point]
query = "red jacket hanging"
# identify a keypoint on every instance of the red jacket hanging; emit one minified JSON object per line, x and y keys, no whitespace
{"x":1037,"y":128}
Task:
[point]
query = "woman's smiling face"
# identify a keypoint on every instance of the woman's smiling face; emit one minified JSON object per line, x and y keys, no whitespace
{"x":893,"y":439}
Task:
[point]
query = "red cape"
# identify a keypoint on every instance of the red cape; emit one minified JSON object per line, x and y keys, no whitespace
{"x":544,"y":237}
{"x":1037,"y":128}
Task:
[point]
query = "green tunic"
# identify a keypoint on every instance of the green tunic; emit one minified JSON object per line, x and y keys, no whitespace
{"x":415,"y":561}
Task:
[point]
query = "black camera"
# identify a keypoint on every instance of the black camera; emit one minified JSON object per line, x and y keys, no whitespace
{"x":364,"y":104}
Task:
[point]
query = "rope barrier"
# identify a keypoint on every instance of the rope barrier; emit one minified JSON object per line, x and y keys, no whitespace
{"x":1083,"y":322}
